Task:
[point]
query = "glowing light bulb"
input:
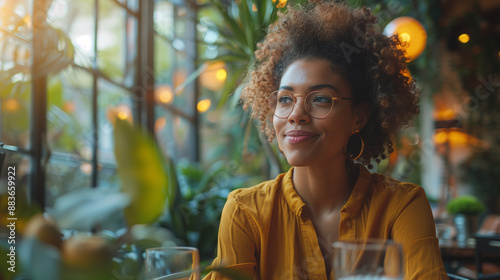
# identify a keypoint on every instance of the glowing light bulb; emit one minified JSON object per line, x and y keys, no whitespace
{"x":164,"y":94}
{"x":221,"y":74}
{"x":405,"y":37}
{"x":203,"y":105}
{"x":464,"y":38}
{"x":214,"y":76}
{"x":122,"y":115}
{"x":411,"y":32}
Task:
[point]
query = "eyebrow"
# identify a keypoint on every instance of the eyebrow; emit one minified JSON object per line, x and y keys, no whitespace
{"x":313,"y":88}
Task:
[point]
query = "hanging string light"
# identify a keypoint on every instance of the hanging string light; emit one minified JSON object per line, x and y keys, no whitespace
{"x":411,"y":32}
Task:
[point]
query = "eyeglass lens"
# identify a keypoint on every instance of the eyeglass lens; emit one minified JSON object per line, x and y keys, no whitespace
{"x":317,"y":104}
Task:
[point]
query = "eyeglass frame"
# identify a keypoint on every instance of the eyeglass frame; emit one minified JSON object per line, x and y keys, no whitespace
{"x":294,"y":96}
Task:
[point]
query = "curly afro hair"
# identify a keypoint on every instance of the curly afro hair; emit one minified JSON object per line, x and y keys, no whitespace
{"x":373,"y":65}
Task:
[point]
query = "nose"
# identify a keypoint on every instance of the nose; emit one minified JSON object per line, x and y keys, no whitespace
{"x":299,"y":113}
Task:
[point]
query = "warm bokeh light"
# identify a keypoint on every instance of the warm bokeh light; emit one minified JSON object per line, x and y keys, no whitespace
{"x":203,"y":105}
{"x":214,"y":76}
{"x":464,"y":38}
{"x":445,"y":114}
{"x":405,"y":37}
{"x":123,"y":112}
{"x":86,"y":168}
{"x":221,"y":74}
{"x":160,"y":124}
{"x":122,"y":115}
{"x":163,"y":94}
{"x":411,"y":32}
{"x":11,"y":105}
{"x":455,"y":138}
{"x":281,"y":3}
{"x":69,"y":107}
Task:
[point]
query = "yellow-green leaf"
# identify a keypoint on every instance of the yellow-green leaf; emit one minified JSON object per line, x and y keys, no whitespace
{"x":142,"y":174}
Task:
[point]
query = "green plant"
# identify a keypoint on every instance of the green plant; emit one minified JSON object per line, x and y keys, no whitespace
{"x":240,"y":26}
{"x":200,"y":196}
{"x":481,"y":171}
{"x":466,"y":205}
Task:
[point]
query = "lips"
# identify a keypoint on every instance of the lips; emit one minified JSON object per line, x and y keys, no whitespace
{"x":298,"y":136}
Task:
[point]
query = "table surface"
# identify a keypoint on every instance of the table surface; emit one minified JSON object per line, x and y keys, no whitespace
{"x":454,"y":250}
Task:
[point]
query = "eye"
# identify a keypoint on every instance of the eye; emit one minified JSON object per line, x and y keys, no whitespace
{"x":285,"y":99}
{"x":321,"y":98}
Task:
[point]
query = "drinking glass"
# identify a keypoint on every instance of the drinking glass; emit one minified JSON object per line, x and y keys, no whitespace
{"x":368,"y":259}
{"x":168,"y":263}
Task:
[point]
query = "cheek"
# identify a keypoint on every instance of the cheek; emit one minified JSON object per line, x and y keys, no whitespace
{"x":278,"y":125}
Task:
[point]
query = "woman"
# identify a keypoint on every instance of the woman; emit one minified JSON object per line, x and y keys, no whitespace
{"x":329,"y":87}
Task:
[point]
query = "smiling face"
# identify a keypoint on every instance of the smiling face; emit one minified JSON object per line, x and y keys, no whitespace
{"x":305,"y":140}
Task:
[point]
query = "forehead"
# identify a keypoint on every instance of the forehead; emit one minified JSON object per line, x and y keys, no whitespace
{"x":304,"y":74}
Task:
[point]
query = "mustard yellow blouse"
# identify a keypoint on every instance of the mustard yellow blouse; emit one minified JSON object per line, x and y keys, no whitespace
{"x":265,"y":232}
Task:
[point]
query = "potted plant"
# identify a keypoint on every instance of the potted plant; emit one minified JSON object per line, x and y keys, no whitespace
{"x":465,"y":210}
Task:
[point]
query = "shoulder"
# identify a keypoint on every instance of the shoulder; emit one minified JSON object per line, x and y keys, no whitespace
{"x":382,"y":184}
{"x":255,"y":197}
{"x":395,"y":192}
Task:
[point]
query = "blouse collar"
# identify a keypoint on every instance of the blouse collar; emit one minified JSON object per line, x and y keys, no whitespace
{"x":353,"y":204}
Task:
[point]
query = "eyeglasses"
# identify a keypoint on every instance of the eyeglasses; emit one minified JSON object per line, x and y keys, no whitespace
{"x":317,"y":104}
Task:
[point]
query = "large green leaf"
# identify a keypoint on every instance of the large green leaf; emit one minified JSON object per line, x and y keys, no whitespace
{"x":142,"y":174}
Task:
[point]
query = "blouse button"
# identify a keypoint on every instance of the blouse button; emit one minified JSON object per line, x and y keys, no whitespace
{"x":348,"y":224}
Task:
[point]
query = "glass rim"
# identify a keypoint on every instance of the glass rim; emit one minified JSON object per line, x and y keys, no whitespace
{"x":166,"y":248}
{"x":367,"y":244}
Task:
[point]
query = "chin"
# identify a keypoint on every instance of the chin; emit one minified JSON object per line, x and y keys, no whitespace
{"x":299,"y":160}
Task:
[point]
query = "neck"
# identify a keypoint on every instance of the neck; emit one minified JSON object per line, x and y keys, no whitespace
{"x":324,"y":188}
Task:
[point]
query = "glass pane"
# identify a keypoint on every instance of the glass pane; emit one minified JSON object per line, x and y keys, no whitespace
{"x":76,"y":19}
{"x":111,"y":45}
{"x":65,"y":173}
{"x":112,"y":100}
{"x":164,"y":19}
{"x":15,"y":89}
{"x":164,"y":58}
{"x":15,"y":107}
{"x":69,"y":111}
{"x":164,"y":131}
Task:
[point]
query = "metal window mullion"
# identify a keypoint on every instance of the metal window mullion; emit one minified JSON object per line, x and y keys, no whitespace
{"x":38,"y":125}
{"x":95,"y":121}
{"x":144,"y":83}
{"x":126,"y":7}
{"x":100,"y":75}
{"x":147,"y":35}
{"x":192,"y":90}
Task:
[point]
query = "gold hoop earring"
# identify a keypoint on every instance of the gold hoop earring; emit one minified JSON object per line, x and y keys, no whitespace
{"x":354,"y":146}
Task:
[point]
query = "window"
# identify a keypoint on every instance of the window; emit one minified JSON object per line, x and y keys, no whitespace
{"x":55,"y":124}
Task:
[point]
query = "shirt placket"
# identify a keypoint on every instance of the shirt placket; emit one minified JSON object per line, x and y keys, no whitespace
{"x":347,"y":229}
{"x":313,"y":264}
